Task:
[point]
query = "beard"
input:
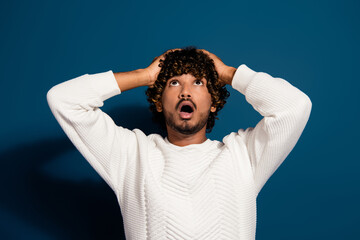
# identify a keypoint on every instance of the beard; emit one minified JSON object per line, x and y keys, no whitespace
{"x":185,"y":127}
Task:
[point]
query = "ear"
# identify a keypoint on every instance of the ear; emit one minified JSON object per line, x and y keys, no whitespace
{"x":213,"y":109}
{"x":158,"y":106}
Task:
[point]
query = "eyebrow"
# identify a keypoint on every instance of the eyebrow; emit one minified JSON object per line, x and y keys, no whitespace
{"x":176,"y":78}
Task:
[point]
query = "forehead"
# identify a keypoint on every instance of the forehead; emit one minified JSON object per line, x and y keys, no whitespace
{"x":187,"y":76}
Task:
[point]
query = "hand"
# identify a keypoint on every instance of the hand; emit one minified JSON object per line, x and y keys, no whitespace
{"x":153,"y":69}
{"x":226,"y":73}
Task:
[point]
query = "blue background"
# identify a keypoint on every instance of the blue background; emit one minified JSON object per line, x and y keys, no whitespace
{"x":49,"y":191}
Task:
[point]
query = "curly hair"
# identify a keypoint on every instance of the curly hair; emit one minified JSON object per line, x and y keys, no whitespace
{"x":184,"y":61}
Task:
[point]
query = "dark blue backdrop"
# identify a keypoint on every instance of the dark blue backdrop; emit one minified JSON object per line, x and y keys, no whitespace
{"x":48,"y":191}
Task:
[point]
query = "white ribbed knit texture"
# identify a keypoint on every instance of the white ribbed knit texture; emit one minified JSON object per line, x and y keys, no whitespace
{"x":200,"y":191}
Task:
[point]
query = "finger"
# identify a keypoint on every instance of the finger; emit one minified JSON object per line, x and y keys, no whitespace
{"x":205,"y":51}
{"x":154,"y":59}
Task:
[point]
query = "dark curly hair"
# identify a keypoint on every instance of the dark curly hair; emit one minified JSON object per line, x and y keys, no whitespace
{"x":200,"y":65}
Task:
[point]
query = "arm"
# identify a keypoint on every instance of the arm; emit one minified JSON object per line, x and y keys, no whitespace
{"x":133,"y":79}
{"x":286,"y":111}
{"x":76,"y":103}
{"x":76,"y":106}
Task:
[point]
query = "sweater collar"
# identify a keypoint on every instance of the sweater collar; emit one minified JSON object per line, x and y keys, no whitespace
{"x":202,"y":145}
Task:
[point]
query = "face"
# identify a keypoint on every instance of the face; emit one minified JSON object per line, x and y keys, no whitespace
{"x":186,"y":104}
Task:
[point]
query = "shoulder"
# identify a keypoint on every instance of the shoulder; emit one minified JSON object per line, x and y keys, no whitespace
{"x":241,"y":135}
{"x":155,"y":138}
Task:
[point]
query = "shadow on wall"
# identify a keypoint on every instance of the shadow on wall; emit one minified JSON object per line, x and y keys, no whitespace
{"x":64,"y":209}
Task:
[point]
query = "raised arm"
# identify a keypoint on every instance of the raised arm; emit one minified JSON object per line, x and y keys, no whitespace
{"x":285,"y":109}
{"x":76,"y":106}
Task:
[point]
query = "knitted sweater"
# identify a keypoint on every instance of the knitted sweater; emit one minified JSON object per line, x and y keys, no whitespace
{"x":200,"y":191}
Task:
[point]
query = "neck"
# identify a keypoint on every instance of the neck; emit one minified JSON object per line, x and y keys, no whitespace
{"x":182,"y":140}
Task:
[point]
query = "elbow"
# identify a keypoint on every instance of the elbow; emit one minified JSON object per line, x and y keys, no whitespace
{"x":50,"y":95}
{"x":306,"y":104}
{"x":300,"y":102}
{"x":303,"y":108}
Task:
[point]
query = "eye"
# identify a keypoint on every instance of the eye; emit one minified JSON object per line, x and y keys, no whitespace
{"x":198,"y":82}
{"x":174,"y":83}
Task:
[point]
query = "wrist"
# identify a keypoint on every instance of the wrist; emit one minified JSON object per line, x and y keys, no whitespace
{"x":131,"y":79}
{"x":149,"y":79}
{"x":228,"y":75}
{"x":144,"y":77}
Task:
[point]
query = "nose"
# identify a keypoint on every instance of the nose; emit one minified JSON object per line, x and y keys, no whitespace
{"x":182,"y":95}
{"x":185,"y":92}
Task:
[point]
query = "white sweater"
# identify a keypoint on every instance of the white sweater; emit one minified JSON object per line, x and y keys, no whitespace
{"x":200,"y":191}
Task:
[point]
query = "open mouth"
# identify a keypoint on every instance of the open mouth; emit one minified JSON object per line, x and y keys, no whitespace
{"x":186,"y":110}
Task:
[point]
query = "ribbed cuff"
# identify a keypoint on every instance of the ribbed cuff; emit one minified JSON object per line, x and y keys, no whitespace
{"x":242,"y":78}
{"x":105,"y":84}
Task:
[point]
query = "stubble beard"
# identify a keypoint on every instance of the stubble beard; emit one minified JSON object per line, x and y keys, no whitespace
{"x":184,"y":127}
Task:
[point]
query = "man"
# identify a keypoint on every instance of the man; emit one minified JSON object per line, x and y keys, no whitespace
{"x":184,"y":186}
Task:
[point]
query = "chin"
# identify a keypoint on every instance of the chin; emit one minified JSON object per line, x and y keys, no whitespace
{"x":186,"y":126}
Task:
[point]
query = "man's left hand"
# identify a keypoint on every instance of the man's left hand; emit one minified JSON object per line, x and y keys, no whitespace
{"x":226,"y":73}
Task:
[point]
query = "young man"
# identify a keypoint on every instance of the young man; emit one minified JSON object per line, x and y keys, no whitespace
{"x":184,"y":186}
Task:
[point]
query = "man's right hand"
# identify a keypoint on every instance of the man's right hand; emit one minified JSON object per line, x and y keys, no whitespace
{"x":153,"y":69}
{"x":140,"y":77}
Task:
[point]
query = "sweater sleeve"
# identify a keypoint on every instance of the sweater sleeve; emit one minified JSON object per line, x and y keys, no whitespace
{"x":76,"y":106}
{"x":285,"y":110}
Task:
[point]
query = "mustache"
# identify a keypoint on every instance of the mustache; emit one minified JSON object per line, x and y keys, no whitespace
{"x":185,"y":99}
